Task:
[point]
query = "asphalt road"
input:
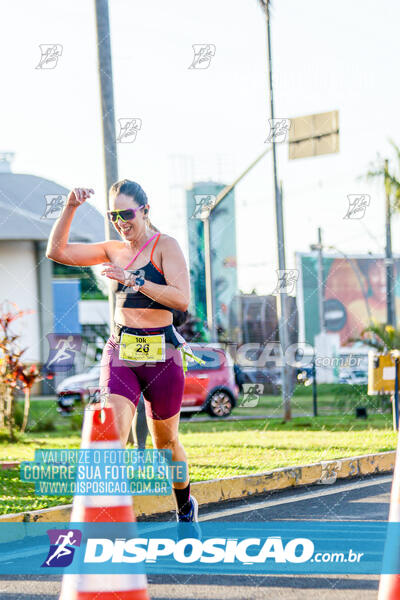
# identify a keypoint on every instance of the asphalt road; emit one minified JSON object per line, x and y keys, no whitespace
{"x":366,"y":499}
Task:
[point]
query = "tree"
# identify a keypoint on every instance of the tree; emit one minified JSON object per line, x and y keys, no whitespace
{"x":380,"y":336}
{"x":14,"y":374}
{"x":380,"y":169}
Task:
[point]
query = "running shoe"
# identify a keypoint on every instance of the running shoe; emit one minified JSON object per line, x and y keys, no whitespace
{"x":189,"y":521}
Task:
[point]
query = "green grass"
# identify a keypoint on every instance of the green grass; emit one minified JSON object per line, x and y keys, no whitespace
{"x":331,"y":399}
{"x":224,"y":450}
{"x":219,"y":448}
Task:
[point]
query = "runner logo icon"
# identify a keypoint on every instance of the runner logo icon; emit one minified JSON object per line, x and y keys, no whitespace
{"x":62,"y":351}
{"x":61,"y":551}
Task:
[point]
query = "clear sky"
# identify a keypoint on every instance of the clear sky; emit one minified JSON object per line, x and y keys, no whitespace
{"x":212,"y":123}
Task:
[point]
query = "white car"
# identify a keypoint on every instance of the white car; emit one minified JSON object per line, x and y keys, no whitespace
{"x":76,"y":388}
{"x":353,"y":377}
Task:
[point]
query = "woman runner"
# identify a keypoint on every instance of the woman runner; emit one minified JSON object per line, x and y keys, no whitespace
{"x":142,"y":353}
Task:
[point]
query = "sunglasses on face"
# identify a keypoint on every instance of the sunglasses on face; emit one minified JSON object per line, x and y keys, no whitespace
{"x":124,"y":215}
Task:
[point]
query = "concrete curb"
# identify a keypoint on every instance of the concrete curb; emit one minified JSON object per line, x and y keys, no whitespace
{"x":233,"y":488}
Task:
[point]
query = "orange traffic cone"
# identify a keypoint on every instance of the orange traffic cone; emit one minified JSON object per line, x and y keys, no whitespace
{"x":99,"y":432}
{"x":389,"y":587}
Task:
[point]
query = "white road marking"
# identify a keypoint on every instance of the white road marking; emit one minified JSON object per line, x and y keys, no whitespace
{"x":335,"y":489}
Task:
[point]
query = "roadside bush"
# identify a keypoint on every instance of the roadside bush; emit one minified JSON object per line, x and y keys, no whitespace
{"x":76,"y":421}
{"x":18,"y":414}
{"x":349,"y":397}
{"x":324,"y":389}
{"x":42,"y":425}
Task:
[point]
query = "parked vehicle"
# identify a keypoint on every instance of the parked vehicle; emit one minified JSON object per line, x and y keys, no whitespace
{"x":270,"y":378}
{"x":76,"y":388}
{"x":353,"y":377}
{"x":210,"y":387}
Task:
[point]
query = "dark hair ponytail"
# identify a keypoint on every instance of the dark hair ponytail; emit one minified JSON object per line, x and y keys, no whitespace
{"x":133,"y":189}
{"x":179,"y":317}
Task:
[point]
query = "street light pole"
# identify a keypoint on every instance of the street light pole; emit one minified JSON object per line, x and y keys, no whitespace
{"x":320,"y":279}
{"x":108,"y":120}
{"x":209,"y":283}
{"x":282,"y":303}
{"x":391,"y":309}
{"x":320,"y":284}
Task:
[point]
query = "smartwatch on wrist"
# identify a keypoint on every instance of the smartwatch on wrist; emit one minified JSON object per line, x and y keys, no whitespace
{"x":134,"y":279}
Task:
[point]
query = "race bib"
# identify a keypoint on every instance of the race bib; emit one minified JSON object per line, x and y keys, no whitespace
{"x":142,"y":348}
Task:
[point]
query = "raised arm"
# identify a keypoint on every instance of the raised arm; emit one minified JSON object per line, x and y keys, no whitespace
{"x":58,"y":248}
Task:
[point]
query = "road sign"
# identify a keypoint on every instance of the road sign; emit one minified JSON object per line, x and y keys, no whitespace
{"x":314,"y":135}
{"x":381,"y":373}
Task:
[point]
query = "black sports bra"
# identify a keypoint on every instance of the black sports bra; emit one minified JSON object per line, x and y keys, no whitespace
{"x":127,"y":298}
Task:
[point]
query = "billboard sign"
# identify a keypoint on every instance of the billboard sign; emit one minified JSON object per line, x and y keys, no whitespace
{"x":354,"y":293}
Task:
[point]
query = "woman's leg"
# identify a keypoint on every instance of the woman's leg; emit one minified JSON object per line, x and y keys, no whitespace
{"x":122,"y":387}
{"x":164,"y":434}
{"x":165,"y":437}
{"x":162,"y":385}
{"x":124,"y":411}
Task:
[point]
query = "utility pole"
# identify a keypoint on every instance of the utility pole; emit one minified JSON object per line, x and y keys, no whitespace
{"x":390,"y":305}
{"x":320,"y":279}
{"x":108,"y":120}
{"x":209,"y":281}
{"x":314,"y":387}
{"x":322,"y":327}
{"x":282,"y":304}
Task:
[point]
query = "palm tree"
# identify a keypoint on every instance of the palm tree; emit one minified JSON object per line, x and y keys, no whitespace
{"x":384,"y":338}
{"x":380,"y":168}
{"x":392,"y":190}
{"x":264,"y":3}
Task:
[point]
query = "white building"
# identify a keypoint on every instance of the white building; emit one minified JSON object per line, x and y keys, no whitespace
{"x":25,"y":272}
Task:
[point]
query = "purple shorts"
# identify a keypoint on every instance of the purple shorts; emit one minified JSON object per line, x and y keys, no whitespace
{"x":161,"y":383}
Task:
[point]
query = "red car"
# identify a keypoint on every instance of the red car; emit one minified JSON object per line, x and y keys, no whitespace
{"x":212,"y":386}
